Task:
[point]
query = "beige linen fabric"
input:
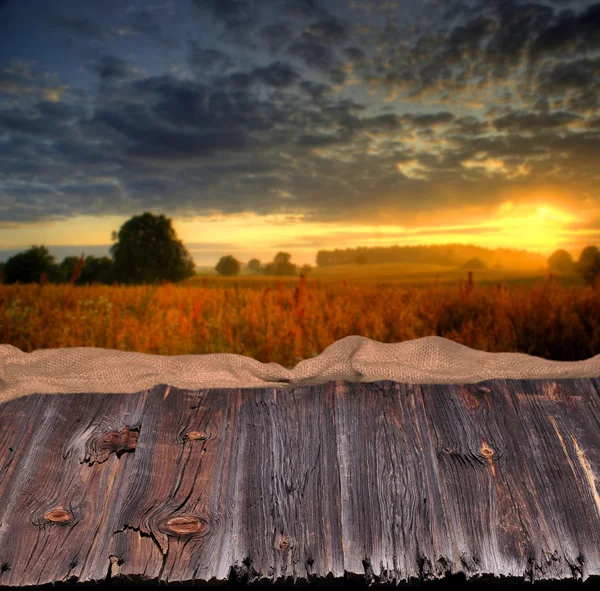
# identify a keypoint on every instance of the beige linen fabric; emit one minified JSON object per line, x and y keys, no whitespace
{"x":354,"y":358}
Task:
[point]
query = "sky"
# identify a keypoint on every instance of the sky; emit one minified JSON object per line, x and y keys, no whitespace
{"x":261,"y":126}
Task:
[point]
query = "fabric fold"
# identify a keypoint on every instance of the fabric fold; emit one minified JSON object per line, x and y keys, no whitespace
{"x":354,"y":358}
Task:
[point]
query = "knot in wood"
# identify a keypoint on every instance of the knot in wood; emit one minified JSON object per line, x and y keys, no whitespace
{"x":59,"y":515}
{"x":184,"y":525}
{"x":197,"y":435}
{"x":284,"y":544}
{"x":486,"y":450}
{"x":121,"y":441}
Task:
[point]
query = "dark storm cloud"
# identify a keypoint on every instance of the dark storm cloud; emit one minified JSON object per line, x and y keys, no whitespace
{"x":189,"y":105}
{"x":111,"y":67}
{"x":570,"y":33}
{"x":354,"y":53}
{"x":50,"y":120}
{"x":234,"y":13}
{"x":305,"y":9}
{"x":573,"y":74}
{"x":318,"y":141}
{"x":387,"y":121}
{"x":466,"y":41}
{"x":276,"y":36}
{"x":231,"y":137}
{"x":517,"y":24}
{"x":328,"y":31}
{"x":469,"y":126}
{"x":314,"y":55}
{"x":208,"y":60}
{"x":316,"y":90}
{"x":428,"y":120}
{"x":143,"y":21}
{"x":81,"y":27}
{"x":277,"y":74}
{"x":147,"y":138}
{"x":532,"y":122}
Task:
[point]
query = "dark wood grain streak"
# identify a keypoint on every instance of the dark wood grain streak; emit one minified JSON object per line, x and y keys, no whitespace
{"x":378,"y":482}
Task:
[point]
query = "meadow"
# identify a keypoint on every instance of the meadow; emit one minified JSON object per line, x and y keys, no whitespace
{"x":287,"y":319}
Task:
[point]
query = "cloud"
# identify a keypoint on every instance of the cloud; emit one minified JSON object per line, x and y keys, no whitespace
{"x":80,"y":27}
{"x":534,"y":123}
{"x":208,"y":60}
{"x":313,"y":54}
{"x":111,"y":67}
{"x":234,"y":14}
{"x":277,"y":74}
{"x":144,"y":22}
{"x":236,"y":138}
{"x":328,"y":31}
{"x":569,"y":33}
{"x":276,"y":36}
{"x":305,"y":9}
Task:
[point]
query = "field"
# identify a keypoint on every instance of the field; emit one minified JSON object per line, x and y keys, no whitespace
{"x":285,"y":320}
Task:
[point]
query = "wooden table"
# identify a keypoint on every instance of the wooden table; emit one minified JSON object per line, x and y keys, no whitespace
{"x":372,"y":482}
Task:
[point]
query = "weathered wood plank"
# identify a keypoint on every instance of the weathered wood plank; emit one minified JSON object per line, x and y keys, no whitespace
{"x":381,"y":482}
{"x":290,"y":530}
{"x":511,"y":484}
{"x":64,"y":480}
{"x":556,"y":448}
{"x":390,"y":499}
{"x":466,"y":428}
{"x":176,"y":519}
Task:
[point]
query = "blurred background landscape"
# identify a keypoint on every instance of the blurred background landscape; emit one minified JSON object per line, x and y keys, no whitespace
{"x":267,"y":177}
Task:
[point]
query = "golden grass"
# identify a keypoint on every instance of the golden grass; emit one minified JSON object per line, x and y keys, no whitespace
{"x":285,"y":321}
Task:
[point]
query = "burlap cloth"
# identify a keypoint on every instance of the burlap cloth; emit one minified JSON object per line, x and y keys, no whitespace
{"x":428,"y":360}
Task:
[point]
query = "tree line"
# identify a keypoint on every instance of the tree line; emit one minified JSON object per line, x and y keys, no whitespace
{"x":452,"y":255}
{"x":146,"y":250}
{"x":587,"y":266}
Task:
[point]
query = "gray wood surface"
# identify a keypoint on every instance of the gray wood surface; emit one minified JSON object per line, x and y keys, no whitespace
{"x":370,"y":482}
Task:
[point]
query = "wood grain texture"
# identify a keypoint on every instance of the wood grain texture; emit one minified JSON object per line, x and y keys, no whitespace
{"x":377,"y":482}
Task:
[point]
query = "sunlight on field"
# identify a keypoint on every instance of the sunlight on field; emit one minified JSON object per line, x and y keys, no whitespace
{"x":285,"y":321}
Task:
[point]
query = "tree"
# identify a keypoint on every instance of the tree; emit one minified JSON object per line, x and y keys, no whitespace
{"x":228,"y":266}
{"x":588,"y":265}
{"x":66,"y":268}
{"x":28,"y":266}
{"x":148,"y":251}
{"x":306,"y":269}
{"x":560,"y":261}
{"x":99,"y":270}
{"x":360,"y":259}
{"x":253,"y":266}
{"x":474,"y":264}
{"x":281,"y":265}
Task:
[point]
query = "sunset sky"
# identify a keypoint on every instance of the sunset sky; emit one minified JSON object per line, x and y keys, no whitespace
{"x":300,"y":125}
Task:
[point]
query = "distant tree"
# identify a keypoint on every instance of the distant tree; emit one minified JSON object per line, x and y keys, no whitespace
{"x":2,"y":272}
{"x":588,"y":265}
{"x":281,"y":265}
{"x":97,"y":270}
{"x":148,"y":251}
{"x":498,"y":266}
{"x":474,"y":264}
{"x":253,"y":266}
{"x":560,"y":261}
{"x":228,"y":266}
{"x":360,"y":259}
{"x":305,"y":269}
{"x":28,"y":266}
{"x":67,"y":268}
